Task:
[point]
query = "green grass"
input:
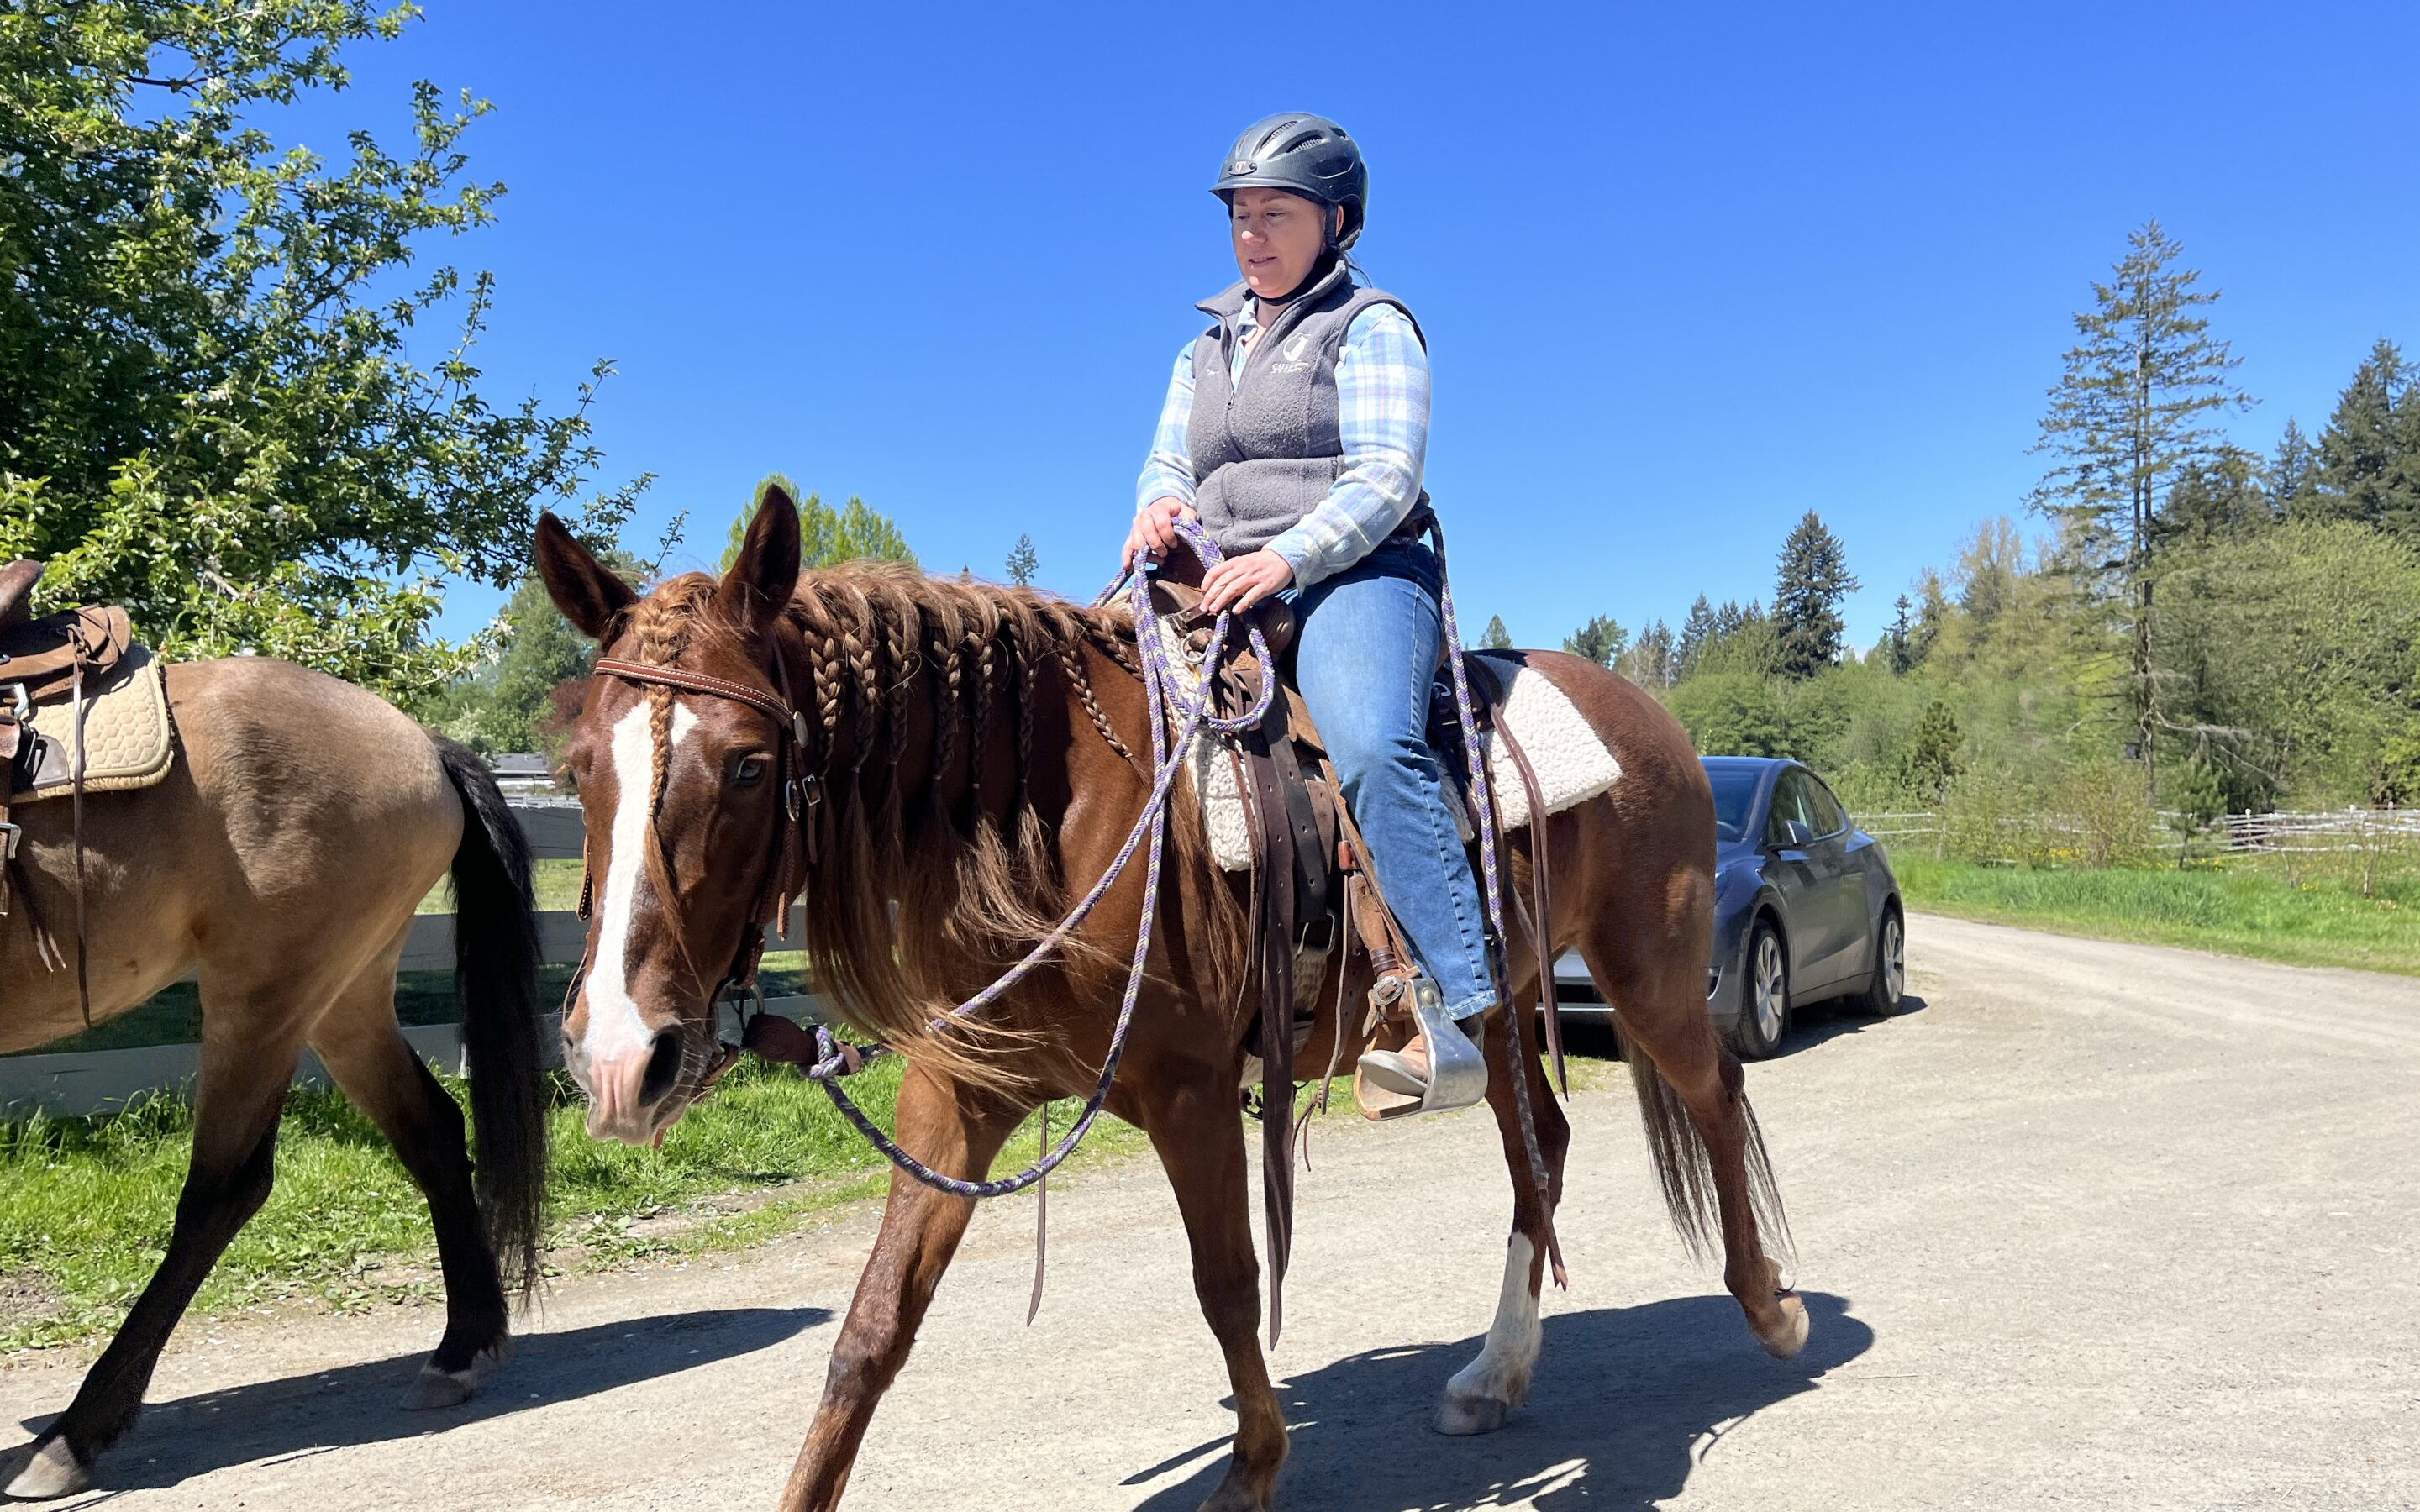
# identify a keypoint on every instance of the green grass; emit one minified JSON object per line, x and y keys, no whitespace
{"x":556,"y":880}
{"x":2239,"y":910}
{"x":86,"y":1204}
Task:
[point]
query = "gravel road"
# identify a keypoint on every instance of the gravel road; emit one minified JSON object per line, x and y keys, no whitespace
{"x":2092,"y":1225}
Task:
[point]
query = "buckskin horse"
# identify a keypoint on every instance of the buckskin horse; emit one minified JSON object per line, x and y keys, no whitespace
{"x":279,"y":859}
{"x":938,"y":764}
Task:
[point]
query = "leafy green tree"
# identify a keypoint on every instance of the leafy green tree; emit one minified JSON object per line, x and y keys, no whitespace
{"x":2131,"y":410}
{"x":2291,"y":658}
{"x":1496,"y":638}
{"x":209,"y":409}
{"x":1022,"y":561}
{"x":1600,"y":641}
{"x":1933,"y":763}
{"x":2366,"y":471}
{"x":825,"y":535}
{"x":1808,"y":584}
{"x":509,"y":704}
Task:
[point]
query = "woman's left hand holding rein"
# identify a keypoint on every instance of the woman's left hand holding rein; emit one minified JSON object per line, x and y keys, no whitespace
{"x":1240,"y":582}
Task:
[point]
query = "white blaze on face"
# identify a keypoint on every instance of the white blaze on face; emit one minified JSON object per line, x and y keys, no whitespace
{"x":1501,"y":1372}
{"x":615,"y":1027}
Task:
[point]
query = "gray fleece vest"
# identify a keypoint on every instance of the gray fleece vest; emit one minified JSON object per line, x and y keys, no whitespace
{"x":1266,"y":450}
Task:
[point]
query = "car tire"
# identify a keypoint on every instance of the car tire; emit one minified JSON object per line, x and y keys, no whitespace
{"x":1886,"y":991}
{"x":1764,"y":995}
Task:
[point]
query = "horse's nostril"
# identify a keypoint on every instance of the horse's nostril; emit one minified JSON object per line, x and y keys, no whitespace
{"x":663,"y":1068}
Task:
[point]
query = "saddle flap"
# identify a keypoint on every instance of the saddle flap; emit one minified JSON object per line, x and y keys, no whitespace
{"x":41,"y":656}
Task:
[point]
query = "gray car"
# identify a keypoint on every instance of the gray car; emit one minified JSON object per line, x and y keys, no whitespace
{"x":1806,"y":909}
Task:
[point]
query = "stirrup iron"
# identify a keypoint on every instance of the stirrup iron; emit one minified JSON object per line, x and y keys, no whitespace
{"x":1457,"y":1068}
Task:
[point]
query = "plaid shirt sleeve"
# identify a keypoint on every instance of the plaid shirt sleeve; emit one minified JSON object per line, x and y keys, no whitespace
{"x":1382,"y":403}
{"x":1167,"y":472}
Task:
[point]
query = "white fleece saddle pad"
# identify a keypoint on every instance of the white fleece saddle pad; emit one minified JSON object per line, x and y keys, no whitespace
{"x":129,"y":740}
{"x":1573,"y":765}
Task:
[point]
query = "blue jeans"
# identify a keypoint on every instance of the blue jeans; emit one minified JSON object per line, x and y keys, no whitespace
{"x":1365,"y":651}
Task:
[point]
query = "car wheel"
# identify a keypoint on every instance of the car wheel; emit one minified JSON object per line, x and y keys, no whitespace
{"x":1884,"y":994}
{"x":1764,"y":995}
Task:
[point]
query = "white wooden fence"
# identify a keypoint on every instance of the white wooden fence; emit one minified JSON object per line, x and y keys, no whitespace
{"x":2317,"y":832}
{"x":98,"y":1080}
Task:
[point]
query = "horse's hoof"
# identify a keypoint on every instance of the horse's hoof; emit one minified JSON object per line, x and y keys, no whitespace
{"x":434,"y":1388}
{"x":1788,"y":1335}
{"x":51,"y":1473}
{"x":1461,"y":1417}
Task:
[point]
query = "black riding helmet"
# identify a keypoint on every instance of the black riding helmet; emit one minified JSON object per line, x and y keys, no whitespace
{"x":1309,"y":155}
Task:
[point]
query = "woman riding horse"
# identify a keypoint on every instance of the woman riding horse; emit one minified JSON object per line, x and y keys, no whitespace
{"x":1295,"y":432}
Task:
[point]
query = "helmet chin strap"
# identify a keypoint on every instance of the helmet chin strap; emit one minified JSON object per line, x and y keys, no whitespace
{"x":1320,"y":266}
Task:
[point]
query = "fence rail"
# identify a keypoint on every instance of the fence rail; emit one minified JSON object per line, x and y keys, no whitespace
{"x":2306,"y":832}
{"x":98,"y":1080}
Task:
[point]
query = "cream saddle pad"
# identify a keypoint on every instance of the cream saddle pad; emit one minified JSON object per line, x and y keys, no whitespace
{"x":1573,"y":765}
{"x":129,"y":741}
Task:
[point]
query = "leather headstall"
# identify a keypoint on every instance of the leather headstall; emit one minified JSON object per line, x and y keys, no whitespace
{"x":802,"y":791}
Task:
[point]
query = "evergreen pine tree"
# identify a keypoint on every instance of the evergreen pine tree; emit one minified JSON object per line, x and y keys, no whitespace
{"x":2363,"y":476}
{"x":2294,"y":471}
{"x":1023,"y":563}
{"x":1811,"y":579}
{"x":1898,"y":646}
{"x":1600,"y":641}
{"x":1648,"y":661}
{"x":1496,"y":638}
{"x":1727,"y":621}
{"x":1696,"y":631}
{"x":2218,"y":500}
{"x":2129,"y":412}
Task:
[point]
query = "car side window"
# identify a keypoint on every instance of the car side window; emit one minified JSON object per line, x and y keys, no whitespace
{"x":1789,"y":802}
{"x":1829,"y":819}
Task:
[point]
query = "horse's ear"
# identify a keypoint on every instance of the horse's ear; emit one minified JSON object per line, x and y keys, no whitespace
{"x":583,"y":588}
{"x":764,"y":574}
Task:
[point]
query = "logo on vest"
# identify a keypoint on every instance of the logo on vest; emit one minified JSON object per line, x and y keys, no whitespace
{"x":1295,"y":352}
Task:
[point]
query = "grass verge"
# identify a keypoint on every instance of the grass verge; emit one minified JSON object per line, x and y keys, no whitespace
{"x":86,"y":1204}
{"x":2239,"y":910}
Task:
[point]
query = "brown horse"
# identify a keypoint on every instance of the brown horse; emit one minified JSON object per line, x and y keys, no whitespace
{"x":280,"y":860}
{"x":971,"y":751}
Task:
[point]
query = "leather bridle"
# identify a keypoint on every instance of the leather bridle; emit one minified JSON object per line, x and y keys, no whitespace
{"x":794,"y":842}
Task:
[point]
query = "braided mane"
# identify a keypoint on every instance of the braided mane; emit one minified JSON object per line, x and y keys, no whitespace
{"x":935,"y":862}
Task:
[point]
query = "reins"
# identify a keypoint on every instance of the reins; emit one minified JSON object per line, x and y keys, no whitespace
{"x":825,"y":1060}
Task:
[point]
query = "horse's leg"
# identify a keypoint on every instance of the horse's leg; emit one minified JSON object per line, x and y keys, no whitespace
{"x":1480,"y":1394}
{"x":956,"y":1132}
{"x":248,"y":1052}
{"x":365,"y":1052}
{"x":1195,"y":1128}
{"x":1693,"y":1097}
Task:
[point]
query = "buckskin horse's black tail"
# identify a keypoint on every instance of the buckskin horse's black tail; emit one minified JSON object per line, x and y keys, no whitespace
{"x":495,"y":982}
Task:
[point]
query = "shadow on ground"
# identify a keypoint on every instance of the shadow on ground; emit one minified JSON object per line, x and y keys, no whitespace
{"x":1821,"y":1023}
{"x":353,"y":1405}
{"x":1627,"y":1402}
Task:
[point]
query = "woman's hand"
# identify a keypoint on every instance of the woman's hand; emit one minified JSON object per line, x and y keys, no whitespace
{"x":1240,"y":582}
{"x":1154,"y":530}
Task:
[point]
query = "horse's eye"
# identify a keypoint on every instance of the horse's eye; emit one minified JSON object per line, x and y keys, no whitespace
{"x":748,"y":770}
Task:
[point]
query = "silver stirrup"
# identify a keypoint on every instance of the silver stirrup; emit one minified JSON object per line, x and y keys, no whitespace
{"x":1457,"y":1067}
{"x":1458,"y":1073}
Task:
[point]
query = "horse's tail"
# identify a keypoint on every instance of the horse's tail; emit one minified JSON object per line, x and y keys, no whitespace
{"x":495,"y":981}
{"x":1686,"y":1170}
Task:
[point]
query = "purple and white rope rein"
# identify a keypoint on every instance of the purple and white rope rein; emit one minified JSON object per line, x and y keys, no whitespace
{"x":1168,"y":759}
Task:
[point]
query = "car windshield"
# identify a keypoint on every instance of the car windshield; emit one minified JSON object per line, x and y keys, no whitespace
{"x":1734,"y":796}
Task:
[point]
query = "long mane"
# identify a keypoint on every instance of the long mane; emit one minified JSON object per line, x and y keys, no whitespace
{"x":935,"y":864}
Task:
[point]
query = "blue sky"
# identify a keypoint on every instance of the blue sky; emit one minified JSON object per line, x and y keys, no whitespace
{"x":1686,"y":272}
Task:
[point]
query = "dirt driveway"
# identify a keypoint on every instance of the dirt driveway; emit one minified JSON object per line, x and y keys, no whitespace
{"x":2094,"y":1225}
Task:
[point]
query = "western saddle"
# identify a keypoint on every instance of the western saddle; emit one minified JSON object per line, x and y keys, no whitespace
{"x":45,"y":661}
